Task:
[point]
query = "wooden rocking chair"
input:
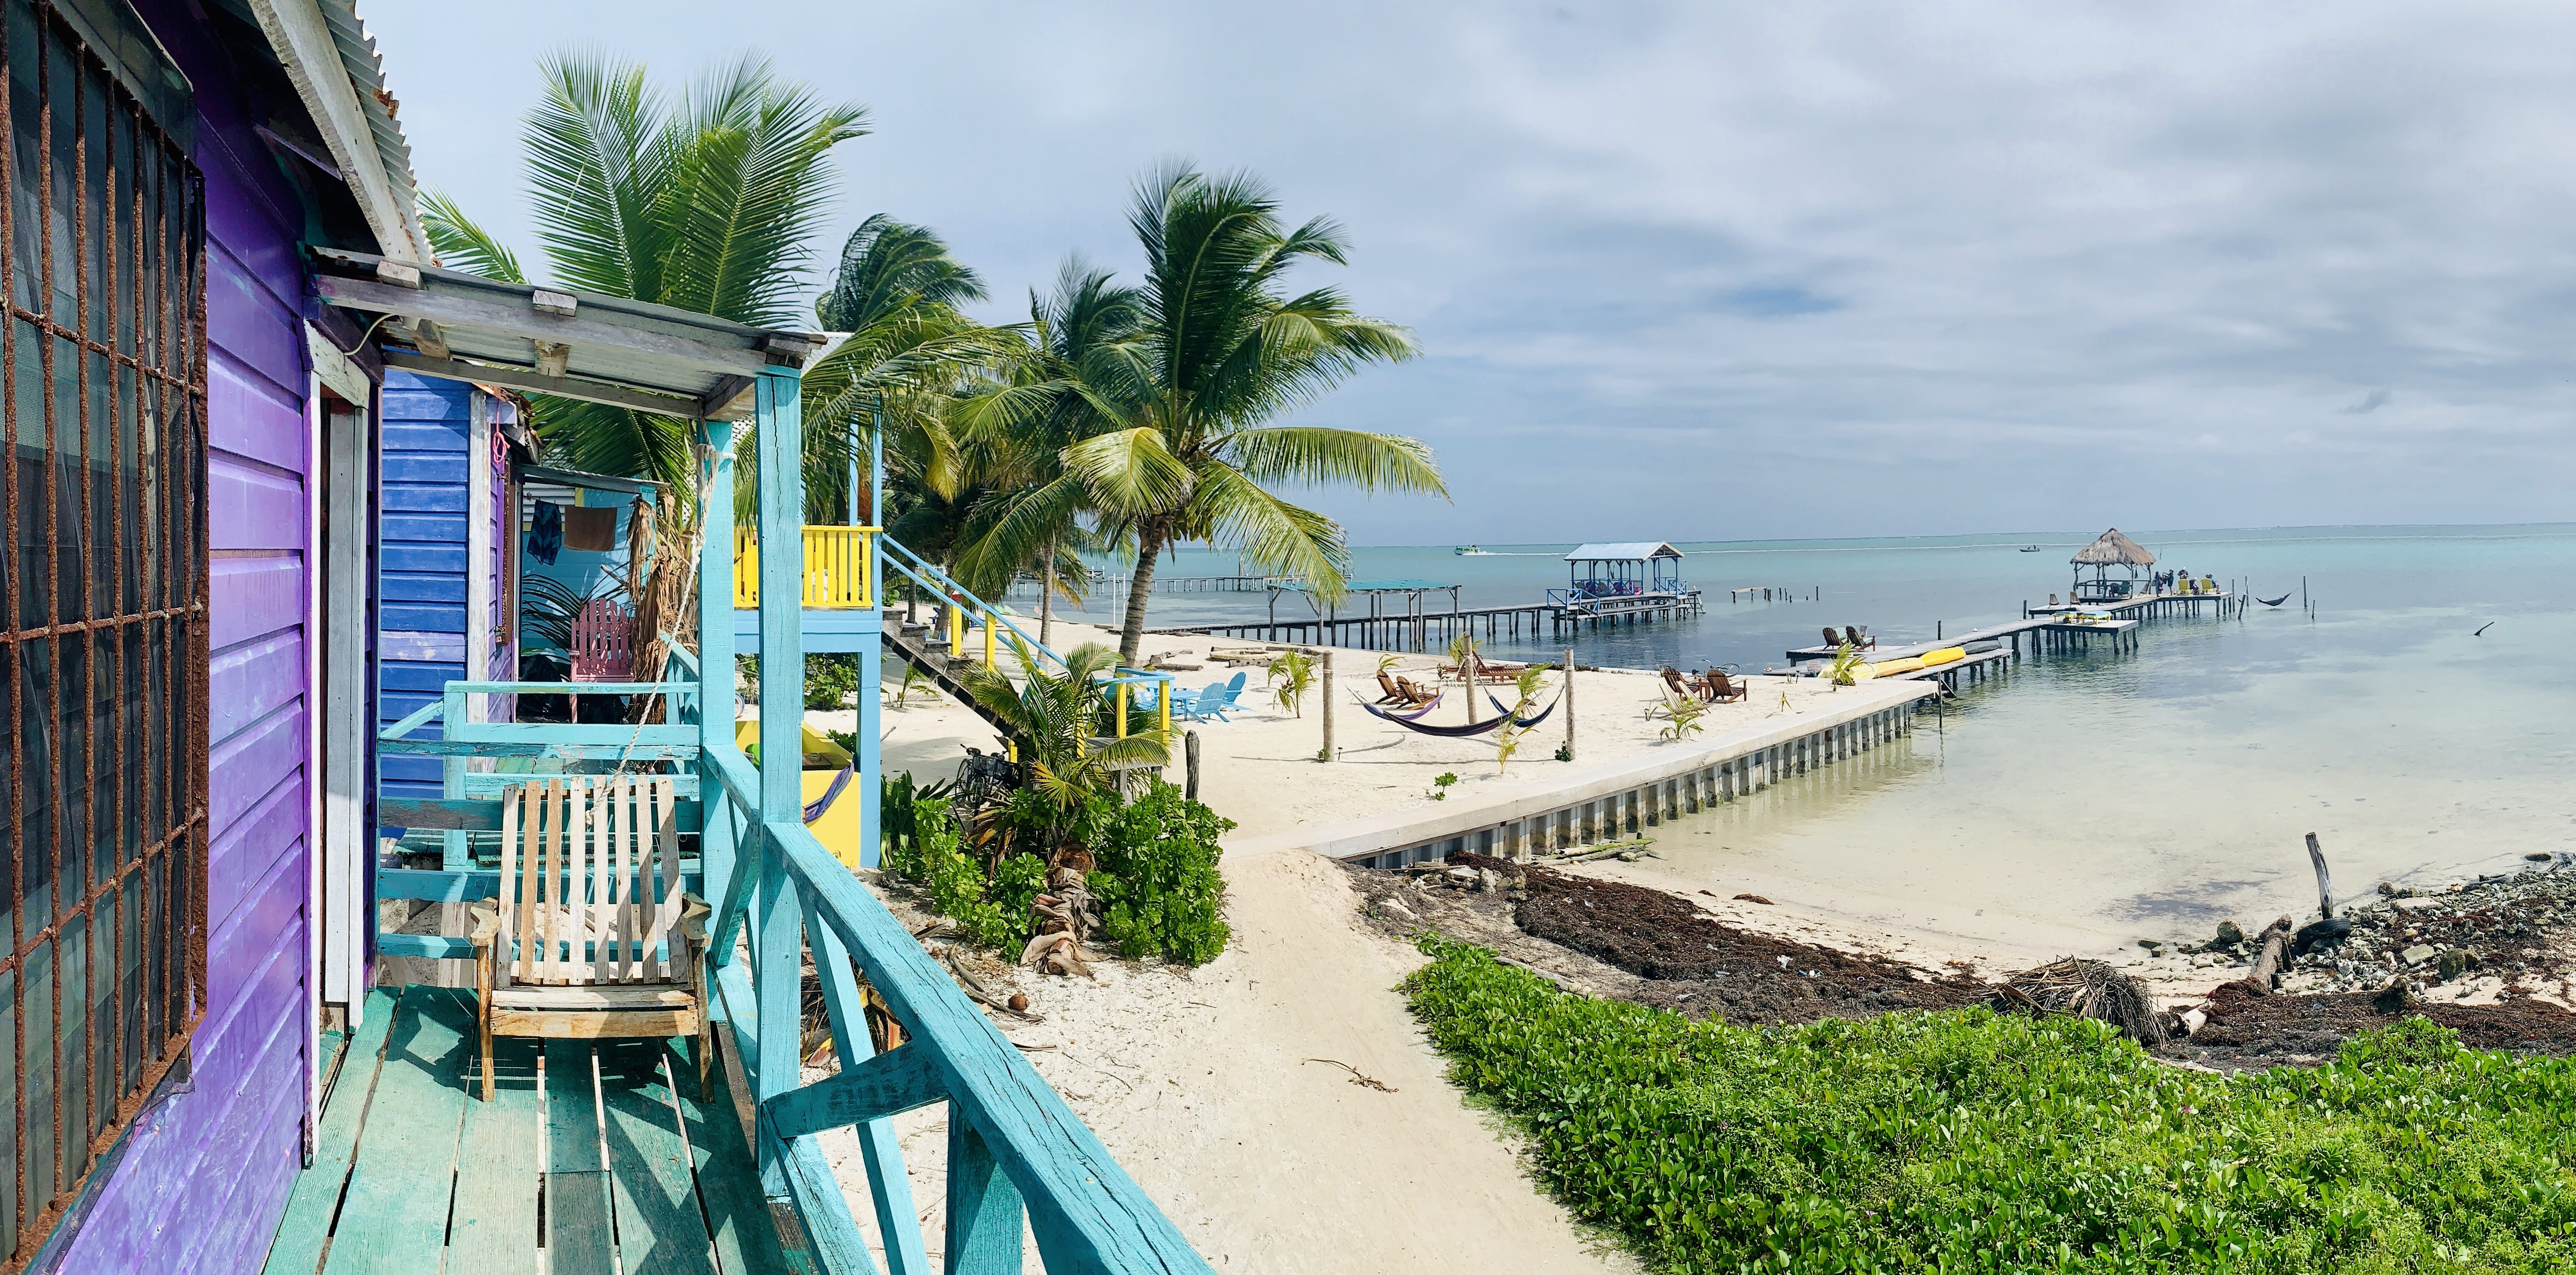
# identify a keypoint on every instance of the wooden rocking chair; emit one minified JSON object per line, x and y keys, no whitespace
{"x":580,"y":944}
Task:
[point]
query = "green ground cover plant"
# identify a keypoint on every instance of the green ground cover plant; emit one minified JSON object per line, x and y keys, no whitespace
{"x":1971,"y":1141}
{"x":1156,"y":877}
{"x":1154,"y":869}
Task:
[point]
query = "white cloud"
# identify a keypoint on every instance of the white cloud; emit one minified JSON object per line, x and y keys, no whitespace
{"x":1696,"y":271}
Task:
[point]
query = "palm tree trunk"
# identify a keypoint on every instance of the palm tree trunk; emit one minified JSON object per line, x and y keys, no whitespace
{"x":1046,"y":595}
{"x":1149,"y":545}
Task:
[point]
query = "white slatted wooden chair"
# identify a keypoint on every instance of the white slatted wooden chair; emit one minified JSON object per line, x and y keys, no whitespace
{"x":612,"y":955}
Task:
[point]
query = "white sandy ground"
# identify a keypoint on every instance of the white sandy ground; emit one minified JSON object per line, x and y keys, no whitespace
{"x":1198,"y":1081}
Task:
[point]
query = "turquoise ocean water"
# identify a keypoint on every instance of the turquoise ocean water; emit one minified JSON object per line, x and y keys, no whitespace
{"x":2147,"y":793}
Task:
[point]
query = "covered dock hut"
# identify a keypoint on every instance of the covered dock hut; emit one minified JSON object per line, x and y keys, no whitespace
{"x":1625,"y":569}
{"x":2111,"y":550}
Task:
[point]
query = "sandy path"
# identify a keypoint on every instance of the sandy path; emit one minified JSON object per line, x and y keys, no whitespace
{"x":1197,"y":1081}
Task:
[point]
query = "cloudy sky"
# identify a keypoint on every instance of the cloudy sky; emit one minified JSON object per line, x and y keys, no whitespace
{"x":1699,"y":271}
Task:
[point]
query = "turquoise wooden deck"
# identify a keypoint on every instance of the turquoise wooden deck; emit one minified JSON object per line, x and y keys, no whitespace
{"x":583,"y":1176}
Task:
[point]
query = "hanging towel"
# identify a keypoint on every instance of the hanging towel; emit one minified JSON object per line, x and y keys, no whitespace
{"x":590,"y":530}
{"x":546,"y":532}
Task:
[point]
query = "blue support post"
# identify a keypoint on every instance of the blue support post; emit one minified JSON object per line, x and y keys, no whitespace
{"x":872,"y":666}
{"x":778,"y":921}
{"x":718,"y":852}
{"x":983,"y":1205}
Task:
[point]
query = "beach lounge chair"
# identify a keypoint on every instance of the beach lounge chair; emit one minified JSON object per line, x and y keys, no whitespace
{"x":1858,"y":642}
{"x":1234,"y":688}
{"x":1673,"y":680}
{"x":1414,"y":694}
{"x":1721,"y":691}
{"x":1208,"y":706}
{"x":1832,"y":639}
{"x":1394,"y":693}
{"x":621,"y":958}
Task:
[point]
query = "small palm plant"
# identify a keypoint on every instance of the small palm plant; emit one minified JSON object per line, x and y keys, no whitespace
{"x":1680,"y":716}
{"x":1056,"y":719}
{"x":1291,"y":676}
{"x":1507,"y":737}
{"x":1846,"y":664}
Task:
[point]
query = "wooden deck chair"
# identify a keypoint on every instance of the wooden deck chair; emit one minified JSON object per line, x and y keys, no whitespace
{"x":1394,"y":694}
{"x":1722,"y":691}
{"x":591,"y":936}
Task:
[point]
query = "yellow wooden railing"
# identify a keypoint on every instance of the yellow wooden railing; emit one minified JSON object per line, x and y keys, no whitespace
{"x":840,"y":572}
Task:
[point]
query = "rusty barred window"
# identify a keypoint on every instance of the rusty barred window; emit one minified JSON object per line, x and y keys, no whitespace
{"x":103,"y":787}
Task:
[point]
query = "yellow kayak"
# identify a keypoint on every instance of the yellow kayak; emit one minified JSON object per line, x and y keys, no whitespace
{"x":1885,"y":668}
{"x":1946,"y":655}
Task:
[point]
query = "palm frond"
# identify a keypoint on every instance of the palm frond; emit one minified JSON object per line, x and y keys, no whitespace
{"x":1315,"y":455}
{"x":463,"y":245}
{"x":1130,"y":469}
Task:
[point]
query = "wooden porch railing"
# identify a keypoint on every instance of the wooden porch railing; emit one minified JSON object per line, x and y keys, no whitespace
{"x":839,"y":571}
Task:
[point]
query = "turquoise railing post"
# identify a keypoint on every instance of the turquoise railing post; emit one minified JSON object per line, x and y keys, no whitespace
{"x":777,"y":919}
{"x":871,"y":766}
{"x":983,"y":1207}
{"x":717,"y":848}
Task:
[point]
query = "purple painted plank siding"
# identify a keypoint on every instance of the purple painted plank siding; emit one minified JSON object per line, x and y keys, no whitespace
{"x":204,"y":1175}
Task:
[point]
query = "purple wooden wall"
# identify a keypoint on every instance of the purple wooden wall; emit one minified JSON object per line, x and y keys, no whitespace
{"x":205,"y":1176}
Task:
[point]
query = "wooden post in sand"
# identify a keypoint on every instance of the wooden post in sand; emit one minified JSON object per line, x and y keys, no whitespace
{"x":1569,"y":703}
{"x":1329,"y":688}
{"x":2325,"y":884}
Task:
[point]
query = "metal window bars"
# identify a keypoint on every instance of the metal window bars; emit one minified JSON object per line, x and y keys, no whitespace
{"x":103,"y":645}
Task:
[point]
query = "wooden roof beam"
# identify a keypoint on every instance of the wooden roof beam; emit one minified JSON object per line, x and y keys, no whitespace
{"x":559,"y":386}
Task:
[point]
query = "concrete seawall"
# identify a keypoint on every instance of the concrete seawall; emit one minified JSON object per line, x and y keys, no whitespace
{"x":1619,"y":799}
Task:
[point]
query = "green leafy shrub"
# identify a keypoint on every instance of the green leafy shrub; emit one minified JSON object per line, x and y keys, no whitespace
{"x":830,"y":680}
{"x":933,"y":854}
{"x":1969,"y":1141}
{"x":1156,"y":876}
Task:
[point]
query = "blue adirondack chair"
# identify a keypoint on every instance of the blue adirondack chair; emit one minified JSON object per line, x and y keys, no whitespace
{"x":1234,"y":688}
{"x":1208,"y":706}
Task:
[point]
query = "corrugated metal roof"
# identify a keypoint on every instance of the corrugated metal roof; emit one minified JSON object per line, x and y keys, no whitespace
{"x":1623,"y":551}
{"x":366,"y":69}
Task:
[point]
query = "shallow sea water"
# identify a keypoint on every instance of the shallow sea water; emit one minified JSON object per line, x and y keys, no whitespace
{"x":2133,"y":794}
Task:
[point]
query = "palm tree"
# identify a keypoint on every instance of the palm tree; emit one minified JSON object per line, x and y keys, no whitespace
{"x":709,"y":204}
{"x":896,"y":295}
{"x":1222,"y":350}
{"x":1080,"y":375}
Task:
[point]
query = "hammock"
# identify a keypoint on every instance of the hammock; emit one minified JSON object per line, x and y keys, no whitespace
{"x":1415,"y":715}
{"x":814,"y":809}
{"x":1446,"y":732}
{"x":1523,"y":722}
{"x":2273,"y":602}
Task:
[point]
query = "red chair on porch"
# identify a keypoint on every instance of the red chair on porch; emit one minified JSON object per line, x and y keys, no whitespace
{"x":603,"y":643}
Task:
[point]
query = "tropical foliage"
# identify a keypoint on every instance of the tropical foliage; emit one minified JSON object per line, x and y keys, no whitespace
{"x":1178,"y":442}
{"x":1057,"y":718}
{"x":707,"y":202}
{"x":1976,"y":1142}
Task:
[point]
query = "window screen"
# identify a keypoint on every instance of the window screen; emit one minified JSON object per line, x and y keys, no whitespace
{"x":103,"y":652}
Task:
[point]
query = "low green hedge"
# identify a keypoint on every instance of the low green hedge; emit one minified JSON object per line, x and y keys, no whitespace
{"x":1971,"y":1141}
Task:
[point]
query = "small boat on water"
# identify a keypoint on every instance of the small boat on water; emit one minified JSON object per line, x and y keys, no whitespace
{"x":1470,"y":551}
{"x":2030,"y":548}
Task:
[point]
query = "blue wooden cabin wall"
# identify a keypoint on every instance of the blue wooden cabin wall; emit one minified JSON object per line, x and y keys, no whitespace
{"x":426,"y":553}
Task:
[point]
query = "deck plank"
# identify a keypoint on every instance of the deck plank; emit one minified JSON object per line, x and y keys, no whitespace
{"x":579,"y":1238}
{"x":659,"y":1228}
{"x":728,"y":1180}
{"x":305,"y":1229}
{"x":495,"y":1227}
{"x":394,"y":1217}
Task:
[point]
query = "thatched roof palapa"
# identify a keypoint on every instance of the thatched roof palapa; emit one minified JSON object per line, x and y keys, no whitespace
{"x":2114,"y":550}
